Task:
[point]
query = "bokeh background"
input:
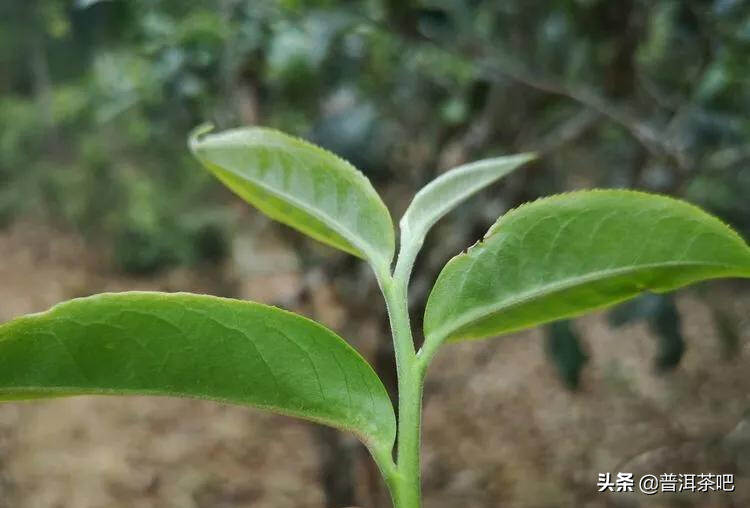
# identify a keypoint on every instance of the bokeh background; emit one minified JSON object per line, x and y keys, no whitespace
{"x":99,"y":193}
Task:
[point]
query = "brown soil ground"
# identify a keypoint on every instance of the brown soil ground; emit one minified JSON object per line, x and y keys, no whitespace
{"x":500,"y":429}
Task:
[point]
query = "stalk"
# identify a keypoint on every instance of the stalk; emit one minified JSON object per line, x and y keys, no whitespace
{"x":405,"y":485}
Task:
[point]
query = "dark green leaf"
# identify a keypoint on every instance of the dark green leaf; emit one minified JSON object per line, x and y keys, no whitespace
{"x":667,"y":325}
{"x":563,"y":346}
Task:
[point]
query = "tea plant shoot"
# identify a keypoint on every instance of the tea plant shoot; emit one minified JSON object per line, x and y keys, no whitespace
{"x":554,"y":258}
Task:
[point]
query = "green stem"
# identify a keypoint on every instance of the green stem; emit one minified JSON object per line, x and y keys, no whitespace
{"x":405,"y":484}
{"x":406,"y":492}
{"x":384,"y":459}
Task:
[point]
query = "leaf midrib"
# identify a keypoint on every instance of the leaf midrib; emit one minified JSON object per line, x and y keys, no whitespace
{"x":379,"y":429}
{"x":356,"y":178}
{"x":442,"y":333}
{"x":407,"y":226}
{"x":345,"y":232}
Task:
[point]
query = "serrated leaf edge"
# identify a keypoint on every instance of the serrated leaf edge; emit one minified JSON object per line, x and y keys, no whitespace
{"x":451,"y":333}
{"x":368,"y":251}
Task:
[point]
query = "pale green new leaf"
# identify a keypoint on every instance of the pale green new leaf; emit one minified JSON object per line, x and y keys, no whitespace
{"x":195,"y":346}
{"x":565,"y":255}
{"x":450,"y":189}
{"x":301,"y":185}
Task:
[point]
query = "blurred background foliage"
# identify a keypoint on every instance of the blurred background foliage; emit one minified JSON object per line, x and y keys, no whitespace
{"x":97,"y":98}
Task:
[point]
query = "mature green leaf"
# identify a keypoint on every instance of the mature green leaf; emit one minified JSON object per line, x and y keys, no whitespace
{"x":568,"y":254}
{"x":195,"y":346}
{"x":301,"y":185}
{"x":450,"y":189}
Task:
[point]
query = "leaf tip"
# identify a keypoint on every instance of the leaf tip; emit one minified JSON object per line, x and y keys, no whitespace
{"x":197,"y":132}
{"x":528,"y":157}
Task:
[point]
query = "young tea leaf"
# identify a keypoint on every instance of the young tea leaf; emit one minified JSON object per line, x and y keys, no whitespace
{"x":301,"y":185}
{"x":195,"y":346}
{"x":450,"y":189}
{"x":565,"y":255}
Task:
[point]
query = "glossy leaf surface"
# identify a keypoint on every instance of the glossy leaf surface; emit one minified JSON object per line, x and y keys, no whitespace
{"x":450,"y":189}
{"x":195,"y":346}
{"x":301,"y":185}
{"x":568,"y":254}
